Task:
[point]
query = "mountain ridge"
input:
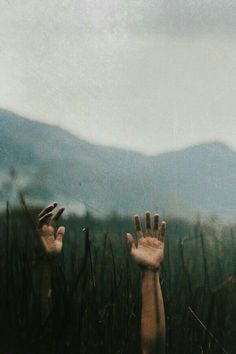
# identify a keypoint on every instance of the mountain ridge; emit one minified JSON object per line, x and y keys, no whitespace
{"x":204,"y":144}
{"x":57,"y":164}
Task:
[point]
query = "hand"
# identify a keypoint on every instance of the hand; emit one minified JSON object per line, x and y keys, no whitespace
{"x":149,"y":251}
{"x":52,"y":244}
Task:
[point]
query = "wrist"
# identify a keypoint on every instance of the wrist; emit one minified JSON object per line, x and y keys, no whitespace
{"x":149,"y":268}
{"x":150,"y":273}
{"x":44,"y":258}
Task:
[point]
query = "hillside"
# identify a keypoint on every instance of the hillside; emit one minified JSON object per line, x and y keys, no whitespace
{"x":203,"y":177}
{"x":53,"y":164}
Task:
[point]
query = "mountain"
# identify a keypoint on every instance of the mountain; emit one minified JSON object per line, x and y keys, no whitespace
{"x":53,"y":164}
{"x":203,"y":177}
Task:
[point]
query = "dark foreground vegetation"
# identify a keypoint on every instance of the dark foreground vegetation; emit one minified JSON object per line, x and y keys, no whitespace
{"x":93,"y":303}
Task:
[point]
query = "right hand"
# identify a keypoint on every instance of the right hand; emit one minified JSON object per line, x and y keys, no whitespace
{"x":51,"y":243}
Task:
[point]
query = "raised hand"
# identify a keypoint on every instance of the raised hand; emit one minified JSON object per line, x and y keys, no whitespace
{"x":52,"y":243}
{"x":148,"y":251}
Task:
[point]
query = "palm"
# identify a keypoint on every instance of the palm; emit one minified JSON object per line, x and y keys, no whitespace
{"x":148,"y":253}
{"x":52,"y":243}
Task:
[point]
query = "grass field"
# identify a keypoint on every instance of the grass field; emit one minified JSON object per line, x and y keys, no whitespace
{"x":93,"y":305}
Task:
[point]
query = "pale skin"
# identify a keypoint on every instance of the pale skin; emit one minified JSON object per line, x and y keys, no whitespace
{"x":148,"y":253}
{"x":52,"y":244}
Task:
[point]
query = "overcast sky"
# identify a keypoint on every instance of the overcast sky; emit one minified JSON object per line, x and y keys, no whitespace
{"x":146,"y":75}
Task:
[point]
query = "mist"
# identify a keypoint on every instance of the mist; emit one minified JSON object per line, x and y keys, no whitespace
{"x":150,"y":77}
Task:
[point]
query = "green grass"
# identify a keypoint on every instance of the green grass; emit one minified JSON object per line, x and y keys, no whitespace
{"x":95,"y":302}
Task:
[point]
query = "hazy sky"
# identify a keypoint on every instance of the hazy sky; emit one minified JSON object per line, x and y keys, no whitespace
{"x":142,"y":74}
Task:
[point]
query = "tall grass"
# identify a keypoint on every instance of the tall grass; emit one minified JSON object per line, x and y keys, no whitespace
{"x":88,"y":300}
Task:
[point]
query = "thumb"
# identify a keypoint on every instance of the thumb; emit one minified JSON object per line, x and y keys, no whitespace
{"x":130,"y":241}
{"x":60,"y":233}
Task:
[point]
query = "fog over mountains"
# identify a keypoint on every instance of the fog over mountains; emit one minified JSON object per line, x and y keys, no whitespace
{"x":122,"y":66}
{"x":52,"y":164}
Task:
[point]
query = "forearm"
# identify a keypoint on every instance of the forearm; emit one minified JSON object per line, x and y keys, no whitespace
{"x":44,"y":269}
{"x":153,"y":315}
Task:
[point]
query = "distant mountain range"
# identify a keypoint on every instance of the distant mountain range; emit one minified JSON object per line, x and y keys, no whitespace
{"x":51,"y":164}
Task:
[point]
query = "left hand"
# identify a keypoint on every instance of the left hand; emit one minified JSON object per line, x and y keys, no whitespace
{"x":148,"y":253}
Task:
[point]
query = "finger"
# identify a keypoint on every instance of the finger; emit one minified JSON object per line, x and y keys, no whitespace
{"x":138,"y":226}
{"x":148,"y":224}
{"x":56,"y":216}
{"x":156,"y":225}
{"x":130,"y":241}
{"x":47,"y":230}
{"x":60,"y":233}
{"x":48,"y":209}
{"x":163,"y":231}
{"x":44,"y":218}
